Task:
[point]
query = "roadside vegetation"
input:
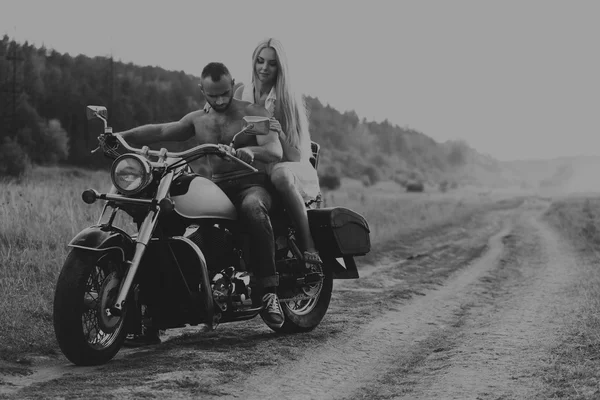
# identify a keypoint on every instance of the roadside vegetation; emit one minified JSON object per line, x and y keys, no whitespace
{"x":575,"y":369}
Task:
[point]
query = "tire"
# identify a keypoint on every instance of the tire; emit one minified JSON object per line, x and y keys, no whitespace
{"x":306,"y":315}
{"x":88,"y":282}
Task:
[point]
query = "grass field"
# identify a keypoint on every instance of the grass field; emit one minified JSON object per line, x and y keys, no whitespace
{"x":41,"y":213}
{"x":577,"y":358}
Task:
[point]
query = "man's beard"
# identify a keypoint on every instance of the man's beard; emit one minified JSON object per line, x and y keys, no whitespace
{"x":222,"y":107}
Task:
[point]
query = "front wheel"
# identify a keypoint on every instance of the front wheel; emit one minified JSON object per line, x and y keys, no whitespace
{"x":87,"y":285}
{"x":305,"y":315}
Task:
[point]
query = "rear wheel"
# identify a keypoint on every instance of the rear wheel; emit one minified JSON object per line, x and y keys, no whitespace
{"x":304,"y":315}
{"x":87,"y":286}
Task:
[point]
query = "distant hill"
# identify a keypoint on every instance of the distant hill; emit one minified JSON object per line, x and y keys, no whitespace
{"x":559,"y":175}
{"x":54,"y":88}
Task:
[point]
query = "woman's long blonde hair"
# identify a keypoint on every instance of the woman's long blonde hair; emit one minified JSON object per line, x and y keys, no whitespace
{"x":290,"y":106}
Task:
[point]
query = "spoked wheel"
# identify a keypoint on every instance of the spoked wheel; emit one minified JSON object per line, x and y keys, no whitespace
{"x":86,"y":331}
{"x":305,"y":306}
{"x":305,"y":314}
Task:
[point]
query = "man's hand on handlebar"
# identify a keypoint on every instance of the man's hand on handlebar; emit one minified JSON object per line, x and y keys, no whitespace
{"x":245,"y":154}
{"x":109,"y":145}
{"x":108,"y":140}
{"x":227,"y":149}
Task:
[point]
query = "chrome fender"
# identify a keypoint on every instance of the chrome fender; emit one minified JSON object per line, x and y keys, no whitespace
{"x":104,"y":238}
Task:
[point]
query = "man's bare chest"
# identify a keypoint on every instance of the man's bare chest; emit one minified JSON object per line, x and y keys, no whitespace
{"x":218,"y":129}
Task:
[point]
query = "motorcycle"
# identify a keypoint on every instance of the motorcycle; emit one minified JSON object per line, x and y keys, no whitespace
{"x":187,"y":263}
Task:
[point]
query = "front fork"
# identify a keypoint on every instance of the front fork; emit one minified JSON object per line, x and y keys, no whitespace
{"x":142,"y":240}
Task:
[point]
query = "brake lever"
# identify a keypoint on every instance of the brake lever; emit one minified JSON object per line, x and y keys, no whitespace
{"x":100,"y":139}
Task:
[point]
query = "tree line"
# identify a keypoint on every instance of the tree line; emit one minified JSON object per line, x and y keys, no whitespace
{"x":43,"y":95}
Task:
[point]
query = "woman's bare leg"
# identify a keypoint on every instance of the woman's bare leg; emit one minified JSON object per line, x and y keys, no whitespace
{"x":283,"y":180}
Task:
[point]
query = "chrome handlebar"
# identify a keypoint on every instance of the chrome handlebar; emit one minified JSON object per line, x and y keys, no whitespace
{"x":202,"y":149}
{"x":207,"y":148}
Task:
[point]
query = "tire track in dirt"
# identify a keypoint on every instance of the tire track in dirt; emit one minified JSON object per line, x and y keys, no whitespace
{"x":505,"y":340}
{"x":342,"y":367}
{"x":10,"y":384}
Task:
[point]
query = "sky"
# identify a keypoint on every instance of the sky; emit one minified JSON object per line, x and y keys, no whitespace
{"x":515,"y":79}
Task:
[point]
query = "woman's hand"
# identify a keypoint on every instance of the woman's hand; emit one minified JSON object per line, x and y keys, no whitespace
{"x":274,"y":125}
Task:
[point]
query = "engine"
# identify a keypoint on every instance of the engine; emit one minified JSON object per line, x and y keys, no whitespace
{"x":230,"y":283}
{"x":217,"y":245}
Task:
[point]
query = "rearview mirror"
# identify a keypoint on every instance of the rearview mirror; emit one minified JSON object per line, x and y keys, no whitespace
{"x":256,"y":125}
{"x":96,"y":112}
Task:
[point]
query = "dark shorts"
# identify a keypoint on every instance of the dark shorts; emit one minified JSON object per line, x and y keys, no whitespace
{"x":237,"y":184}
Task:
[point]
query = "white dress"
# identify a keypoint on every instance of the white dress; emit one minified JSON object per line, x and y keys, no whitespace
{"x":306,"y":180}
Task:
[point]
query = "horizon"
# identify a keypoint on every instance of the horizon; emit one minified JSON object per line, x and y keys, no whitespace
{"x":515,"y":81}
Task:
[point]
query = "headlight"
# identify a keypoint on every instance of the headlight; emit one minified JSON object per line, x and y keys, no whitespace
{"x":131,"y":173}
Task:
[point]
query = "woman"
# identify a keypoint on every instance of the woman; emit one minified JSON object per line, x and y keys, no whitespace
{"x":294,"y":177}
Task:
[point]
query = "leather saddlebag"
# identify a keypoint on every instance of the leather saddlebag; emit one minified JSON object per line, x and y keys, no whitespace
{"x":339,"y":231}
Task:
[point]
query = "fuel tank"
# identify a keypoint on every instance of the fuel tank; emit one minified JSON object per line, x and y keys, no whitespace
{"x":197,"y":197}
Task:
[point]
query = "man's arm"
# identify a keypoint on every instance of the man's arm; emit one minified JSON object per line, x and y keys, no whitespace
{"x":170,"y":131}
{"x":269,"y":147}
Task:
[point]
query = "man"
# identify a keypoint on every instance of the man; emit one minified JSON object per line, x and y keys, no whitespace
{"x":245,"y":189}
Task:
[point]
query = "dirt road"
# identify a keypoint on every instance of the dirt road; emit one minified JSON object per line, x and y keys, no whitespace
{"x":471,"y":313}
